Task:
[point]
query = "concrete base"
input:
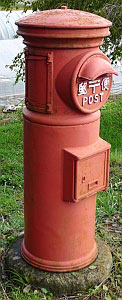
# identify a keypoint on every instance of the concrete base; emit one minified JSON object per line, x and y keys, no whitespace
{"x":62,"y":283}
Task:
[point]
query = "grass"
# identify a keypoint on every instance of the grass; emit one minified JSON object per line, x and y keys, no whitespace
{"x":111,"y":130}
{"x":108,"y":214}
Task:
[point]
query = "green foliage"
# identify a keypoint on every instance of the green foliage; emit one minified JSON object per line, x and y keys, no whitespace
{"x":111,"y":124}
{"x":15,"y":4}
{"x":113,"y":44}
{"x":18,"y":65}
{"x":11,"y":181}
{"x":109,"y":203}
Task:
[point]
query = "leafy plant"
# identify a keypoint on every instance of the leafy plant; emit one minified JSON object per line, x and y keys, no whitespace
{"x":18,"y":65}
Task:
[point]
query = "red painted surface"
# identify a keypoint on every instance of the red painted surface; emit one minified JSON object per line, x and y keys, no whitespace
{"x":65,"y":162}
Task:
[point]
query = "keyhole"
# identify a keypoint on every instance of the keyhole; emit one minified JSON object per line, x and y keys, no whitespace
{"x":83,"y":179}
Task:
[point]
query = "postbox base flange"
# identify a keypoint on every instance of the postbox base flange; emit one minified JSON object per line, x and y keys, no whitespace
{"x":62,"y":283}
{"x":53,"y":266}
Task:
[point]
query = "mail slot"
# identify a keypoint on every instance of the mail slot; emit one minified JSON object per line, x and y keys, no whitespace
{"x":68,"y":79}
{"x":92,"y":82}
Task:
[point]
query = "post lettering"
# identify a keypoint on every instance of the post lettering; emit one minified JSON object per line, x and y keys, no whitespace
{"x":96,"y":98}
{"x":85,"y":99}
{"x":90,"y":92}
{"x":105,"y":83}
{"x":82,"y":88}
{"x":93,"y":84}
{"x":101,"y":95}
{"x":90,"y":99}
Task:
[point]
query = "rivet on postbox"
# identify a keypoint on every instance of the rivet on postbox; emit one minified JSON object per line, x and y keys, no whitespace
{"x":66,"y":163}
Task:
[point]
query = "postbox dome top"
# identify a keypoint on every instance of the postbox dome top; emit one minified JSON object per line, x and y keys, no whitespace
{"x":64,"y":18}
{"x":63,"y":28}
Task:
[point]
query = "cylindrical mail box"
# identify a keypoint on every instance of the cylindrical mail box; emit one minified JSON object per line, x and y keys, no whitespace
{"x":68,"y":79}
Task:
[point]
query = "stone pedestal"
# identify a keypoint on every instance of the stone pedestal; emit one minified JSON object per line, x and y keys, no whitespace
{"x":62,"y":283}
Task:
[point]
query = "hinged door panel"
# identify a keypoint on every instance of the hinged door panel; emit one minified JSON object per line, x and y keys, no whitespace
{"x":86,"y":171}
{"x":90,"y":175}
{"x":39,"y":82}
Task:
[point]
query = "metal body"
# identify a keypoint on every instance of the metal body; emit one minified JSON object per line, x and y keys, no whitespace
{"x":65,"y":162}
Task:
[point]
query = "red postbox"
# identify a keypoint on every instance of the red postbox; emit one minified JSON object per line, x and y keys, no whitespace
{"x":68,"y":79}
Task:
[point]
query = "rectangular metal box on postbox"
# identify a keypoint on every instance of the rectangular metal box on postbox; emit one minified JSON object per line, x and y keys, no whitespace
{"x":88,"y":169}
